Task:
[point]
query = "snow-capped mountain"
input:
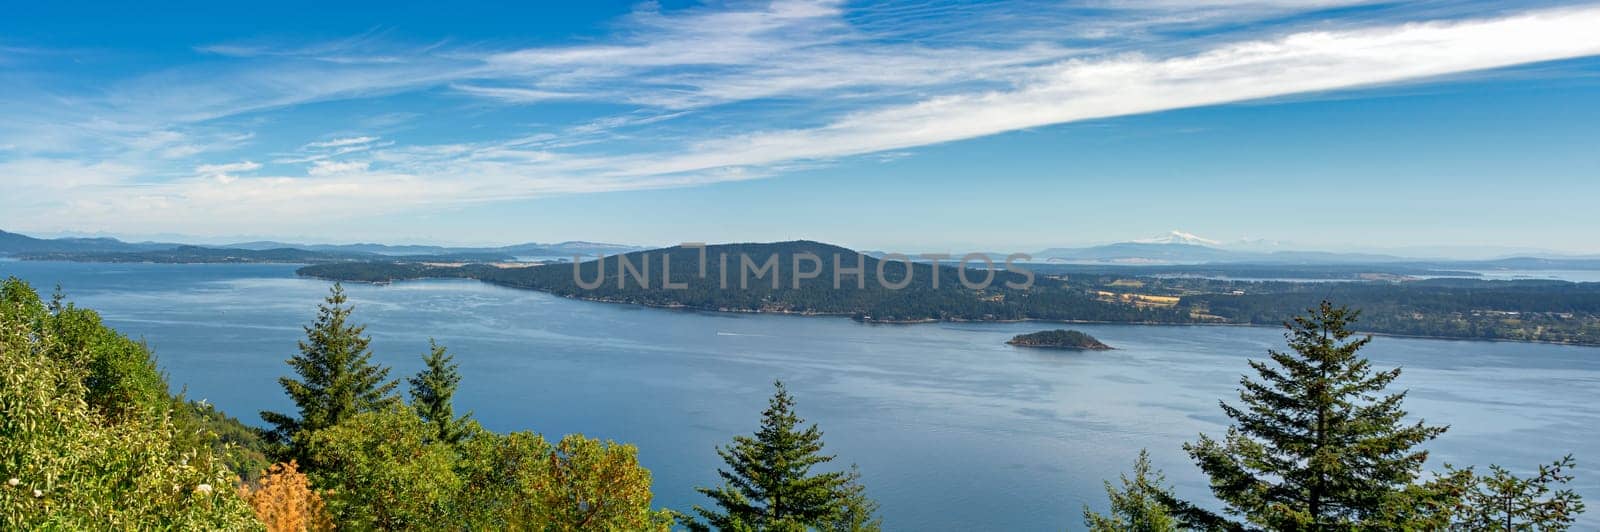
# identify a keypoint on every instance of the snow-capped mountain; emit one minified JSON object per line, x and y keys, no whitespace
{"x":1179,"y":237}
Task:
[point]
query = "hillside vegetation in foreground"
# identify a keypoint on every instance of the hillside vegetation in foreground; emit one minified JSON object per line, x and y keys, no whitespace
{"x":91,"y":439}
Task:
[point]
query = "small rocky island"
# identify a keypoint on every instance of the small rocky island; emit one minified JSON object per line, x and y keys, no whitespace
{"x":1059,"y":339}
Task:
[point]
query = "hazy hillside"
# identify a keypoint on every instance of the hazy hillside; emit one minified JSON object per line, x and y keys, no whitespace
{"x":11,"y":243}
{"x":113,"y":250}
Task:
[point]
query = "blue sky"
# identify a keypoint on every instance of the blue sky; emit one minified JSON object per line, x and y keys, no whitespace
{"x":1335,"y":124}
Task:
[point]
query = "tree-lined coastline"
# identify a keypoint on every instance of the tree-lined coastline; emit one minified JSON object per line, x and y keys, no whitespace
{"x":1531,"y":310}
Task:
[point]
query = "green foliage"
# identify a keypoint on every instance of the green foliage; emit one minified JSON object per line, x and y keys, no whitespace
{"x":769,"y":484}
{"x":431,"y":392}
{"x":200,"y":425}
{"x":856,"y":512}
{"x":1503,"y":501}
{"x":1314,"y":445}
{"x":384,"y":465}
{"x":1423,"y":505}
{"x":1318,"y":446}
{"x":498,"y":473}
{"x":337,"y":378}
{"x":121,"y":378}
{"x":89,"y":440}
{"x":1137,"y":506}
{"x":71,"y":456}
{"x":1058,"y":339}
{"x":594,"y":485}
{"x":381,"y":471}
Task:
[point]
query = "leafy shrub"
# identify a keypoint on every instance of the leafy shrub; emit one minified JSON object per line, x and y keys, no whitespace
{"x":73,"y":453}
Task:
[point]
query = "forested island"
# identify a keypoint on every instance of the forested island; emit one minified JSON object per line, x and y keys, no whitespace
{"x":1059,"y":339}
{"x":1524,"y":310}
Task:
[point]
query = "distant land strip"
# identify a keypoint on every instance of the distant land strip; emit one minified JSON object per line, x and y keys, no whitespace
{"x":1524,"y":310}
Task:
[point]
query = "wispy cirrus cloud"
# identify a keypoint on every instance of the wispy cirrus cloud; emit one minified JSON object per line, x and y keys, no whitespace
{"x":516,"y":94}
{"x":341,"y":142}
{"x":214,"y":169}
{"x":1135,"y":83}
{"x":699,"y":96}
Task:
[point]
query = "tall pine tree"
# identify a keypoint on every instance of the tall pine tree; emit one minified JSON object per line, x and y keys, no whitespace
{"x":856,"y":512}
{"x":1501,"y":500}
{"x":337,"y":377}
{"x":1316,"y":445}
{"x":1138,"y":506}
{"x":769,"y":484}
{"x":432,"y":391}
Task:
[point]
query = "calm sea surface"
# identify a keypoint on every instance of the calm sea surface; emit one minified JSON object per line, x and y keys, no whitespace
{"x":952,"y":429}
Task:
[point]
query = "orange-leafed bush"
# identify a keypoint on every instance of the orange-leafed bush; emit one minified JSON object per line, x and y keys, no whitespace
{"x":283,"y":500}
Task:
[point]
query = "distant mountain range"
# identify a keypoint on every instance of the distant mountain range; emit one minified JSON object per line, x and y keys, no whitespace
{"x":1183,"y":253}
{"x":13,"y":243}
{"x":114,"y":250}
{"x":532,"y":249}
{"x":1176,"y":248}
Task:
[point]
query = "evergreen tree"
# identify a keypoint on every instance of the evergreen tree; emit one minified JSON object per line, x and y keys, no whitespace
{"x":769,"y":484}
{"x":337,"y":377}
{"x":856,"y":512}
{"x":1137,"y":506}
{"x":1503,"y":501}
{"x":431,"y":392}
{"x":1315,"y":445}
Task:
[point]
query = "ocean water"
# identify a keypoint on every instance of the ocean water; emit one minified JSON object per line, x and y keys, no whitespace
{"x":952,"y":429}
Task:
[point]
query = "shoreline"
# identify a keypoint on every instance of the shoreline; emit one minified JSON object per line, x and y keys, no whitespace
{"x":811,"y":314}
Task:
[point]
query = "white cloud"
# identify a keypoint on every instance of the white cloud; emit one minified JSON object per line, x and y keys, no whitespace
{"x":341,"y":142}
{"x":229,"y":168}
{"x":1082,"y":89}
{"x":43,"y":174}
{"x":224,"y":173}
{"x":326,"y":168}
{"x":702,"y":57}
{"x":515,"y":94}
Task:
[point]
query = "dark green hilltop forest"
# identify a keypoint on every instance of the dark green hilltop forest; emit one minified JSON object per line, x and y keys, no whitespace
{"x":867,"y":296}
{"x":1531,"y":310}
